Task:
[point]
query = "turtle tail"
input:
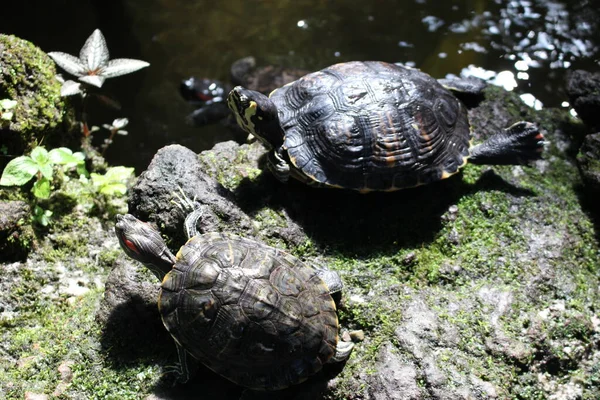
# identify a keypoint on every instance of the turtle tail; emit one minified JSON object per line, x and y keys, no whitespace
{"x":520,"y":143}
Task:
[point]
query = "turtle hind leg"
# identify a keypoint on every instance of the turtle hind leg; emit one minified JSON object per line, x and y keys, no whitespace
{"x":520,"y":143}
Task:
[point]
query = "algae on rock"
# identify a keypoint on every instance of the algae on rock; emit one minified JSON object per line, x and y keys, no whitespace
{"x":28,"y":76}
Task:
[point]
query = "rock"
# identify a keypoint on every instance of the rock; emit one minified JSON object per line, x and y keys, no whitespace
{"x":28,"y":76}
{"x":128,"y":314}
{"x":176,"y":169}
{"x":589,"y":162}
{"x":16,"y":234}
{"x":396,"y":379}
{"x":583,"y":89}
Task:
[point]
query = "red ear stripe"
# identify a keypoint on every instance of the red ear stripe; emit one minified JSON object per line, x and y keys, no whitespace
{"x":131,"y":246}
{"x":204,"y":97}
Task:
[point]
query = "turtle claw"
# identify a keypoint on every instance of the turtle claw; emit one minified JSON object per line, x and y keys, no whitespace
{"x":175,"y":373}
{"x":183,"y":202}
{"x":278,"y":166}
{"x":192,"y":209}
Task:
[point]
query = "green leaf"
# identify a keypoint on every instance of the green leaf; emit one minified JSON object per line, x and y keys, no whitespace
{"x":7,"y":115}
{"x":64,"y":156}
{"x":19,"y":171}
{"x":41,"y":216}
{"x":46,"y":170}
{"x":112,"y":189}
{"x":41,"y":188}
{"x":81,"y":170}
{"x":40,"y":155}
{"x":120,"y":174}
{"x":61,"y":155}
{"x":113,"y":181}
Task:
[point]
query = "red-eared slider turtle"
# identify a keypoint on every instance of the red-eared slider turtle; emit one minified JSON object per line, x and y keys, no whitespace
{"x":209,"y":95}
{"x":252,"y":313}
{"x":373,"y":126}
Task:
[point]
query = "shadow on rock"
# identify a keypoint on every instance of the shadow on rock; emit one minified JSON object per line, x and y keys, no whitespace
{"x":131,"y":326}
{"x":263,"y":208}
{"x":213,"y":386}
{"x":363,"y":224}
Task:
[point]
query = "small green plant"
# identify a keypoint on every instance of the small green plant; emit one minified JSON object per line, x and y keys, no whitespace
{"x":113,"y":182}
{"x":39,"y":165}
{"x":6,"y":105}
{"x":41,"y":216}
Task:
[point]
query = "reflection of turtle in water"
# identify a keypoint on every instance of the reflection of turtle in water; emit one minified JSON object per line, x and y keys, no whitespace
{"x":373,"y":126}
{"x":252,"y":313}
{"x":209,"y":95}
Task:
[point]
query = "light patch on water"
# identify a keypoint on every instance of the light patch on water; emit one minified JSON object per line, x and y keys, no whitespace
{"x":433,"y":23}
{"x":531,"y":101}
{"x":506,"y":79}
{"x":473,"y":46}
{"x":521,"y":65}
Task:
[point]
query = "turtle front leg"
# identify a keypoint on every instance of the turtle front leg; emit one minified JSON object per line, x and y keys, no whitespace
{"x":183,"y":373}
{"x":278,"y":166}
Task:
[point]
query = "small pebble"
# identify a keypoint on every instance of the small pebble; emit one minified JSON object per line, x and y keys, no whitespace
{"x":357,"y":336}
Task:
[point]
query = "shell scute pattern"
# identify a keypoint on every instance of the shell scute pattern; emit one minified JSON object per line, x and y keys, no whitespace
{"x":257,"y":308}
{"x":372,"y":125}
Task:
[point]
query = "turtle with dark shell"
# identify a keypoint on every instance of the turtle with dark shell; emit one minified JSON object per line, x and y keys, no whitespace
{"x":209,"y":95}
{"x":374,"y":126}
{"x":252,"y":313}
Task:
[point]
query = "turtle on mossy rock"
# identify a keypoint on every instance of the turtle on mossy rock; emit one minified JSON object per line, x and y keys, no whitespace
{"x":209,"y":95}
{"x":252,"y":313}
{"x":374,"y":126}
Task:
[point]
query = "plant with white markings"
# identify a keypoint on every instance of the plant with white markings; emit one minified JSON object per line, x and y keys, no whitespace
{"x":93,"y":65}
{"x":115,"y":129}
{"x":92,"y":68}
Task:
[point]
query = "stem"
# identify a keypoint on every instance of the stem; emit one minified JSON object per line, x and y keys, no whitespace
{"x":110,"y":139}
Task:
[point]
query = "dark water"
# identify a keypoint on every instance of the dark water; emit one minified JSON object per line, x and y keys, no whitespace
{"x":526,"y":45}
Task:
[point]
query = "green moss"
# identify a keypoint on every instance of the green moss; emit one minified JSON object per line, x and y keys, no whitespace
{"x":42,"y":344}
{"x":29,"y":77}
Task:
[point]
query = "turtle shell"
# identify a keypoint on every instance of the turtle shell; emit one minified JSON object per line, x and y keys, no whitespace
{"x":372,"y":126}
{"x":252,"y":313}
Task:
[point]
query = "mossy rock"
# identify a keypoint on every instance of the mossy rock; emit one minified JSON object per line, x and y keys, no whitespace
{"x":28,"y":76}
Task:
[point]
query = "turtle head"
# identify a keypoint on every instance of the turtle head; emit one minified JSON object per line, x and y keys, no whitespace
{"x":257,"y":115}
{"x":143,"y":243}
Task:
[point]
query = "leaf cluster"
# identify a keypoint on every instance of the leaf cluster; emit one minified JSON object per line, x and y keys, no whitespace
{"x":40,"y":165}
